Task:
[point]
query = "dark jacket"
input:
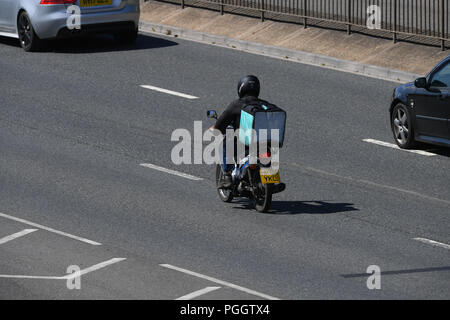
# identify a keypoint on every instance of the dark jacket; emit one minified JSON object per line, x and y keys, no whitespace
{"x":232,"y":114}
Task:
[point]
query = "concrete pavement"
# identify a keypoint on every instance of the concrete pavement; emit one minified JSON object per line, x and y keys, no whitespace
{"x":358,"y":48}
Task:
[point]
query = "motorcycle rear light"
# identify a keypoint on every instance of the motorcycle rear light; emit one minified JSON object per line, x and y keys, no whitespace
{"x":264,"y":158}
{"x":58,"y":1}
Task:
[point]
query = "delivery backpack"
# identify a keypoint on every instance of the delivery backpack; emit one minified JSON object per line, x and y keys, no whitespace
{"x":262,"y":116}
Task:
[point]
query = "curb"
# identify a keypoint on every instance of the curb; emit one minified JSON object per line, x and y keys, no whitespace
{"x":281,"y":53}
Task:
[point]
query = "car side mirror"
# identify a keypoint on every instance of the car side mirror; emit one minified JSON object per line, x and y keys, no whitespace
{"x":211,"y":114}
{"x":421,"y":82}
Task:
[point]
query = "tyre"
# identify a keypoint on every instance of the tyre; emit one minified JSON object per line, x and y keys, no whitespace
{"x":27,"y":37}
{"x":263,"y":201}
{"x":402,"y":127}
{"x":126,"y":37}
{"x":226,"y":195}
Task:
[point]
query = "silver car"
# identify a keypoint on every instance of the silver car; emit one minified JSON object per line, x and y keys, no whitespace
{"x":32,"y":21}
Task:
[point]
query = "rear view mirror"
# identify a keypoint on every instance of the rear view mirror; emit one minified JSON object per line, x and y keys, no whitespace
{"x":421,"y":82}
{"x":211,"y":114}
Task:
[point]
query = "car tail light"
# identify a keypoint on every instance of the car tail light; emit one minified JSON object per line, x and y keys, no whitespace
{"x":58,"y":1}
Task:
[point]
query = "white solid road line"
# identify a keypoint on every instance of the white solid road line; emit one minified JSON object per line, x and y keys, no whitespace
{"x":69,"y":276}
{"x":433,"y":243}
{"x":223,"y":283}
{"x":12,"y":276}
{"x":394,"y":146}
{"x":176,"y":173}
{"x":6,"y":216}
{"x":174,"y":93}
{"x":94,"y":268}
{"x":370,"y":183}
{"x":16,"y":235}
{"x":198,"y":293}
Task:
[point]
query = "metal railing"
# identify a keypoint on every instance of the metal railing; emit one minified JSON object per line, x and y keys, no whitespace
{"x":424,"y":19}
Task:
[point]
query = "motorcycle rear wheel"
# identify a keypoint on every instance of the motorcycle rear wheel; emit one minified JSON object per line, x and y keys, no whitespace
{"x":263,"y":203}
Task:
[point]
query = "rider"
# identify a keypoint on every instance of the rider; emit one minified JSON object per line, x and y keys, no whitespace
{"x":248,"y":90}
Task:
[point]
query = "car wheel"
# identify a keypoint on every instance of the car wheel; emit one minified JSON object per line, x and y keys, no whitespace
{"x":27,"y":37}
{"x":402,"y":127}
{"x":126,"y":37}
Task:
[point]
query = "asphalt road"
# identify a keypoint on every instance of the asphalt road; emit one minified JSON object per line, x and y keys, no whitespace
{"x":75,"y":125}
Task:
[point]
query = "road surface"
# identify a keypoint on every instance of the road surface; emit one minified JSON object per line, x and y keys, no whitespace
{"x":76,"y":125}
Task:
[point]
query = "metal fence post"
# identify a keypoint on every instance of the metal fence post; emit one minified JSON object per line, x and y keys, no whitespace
{"x":443,"y":24}
{"x":394,"y":37}
{"x":221,"y":7}
{"x":349,"y":16}
{"x":305,"y":20}
{"x":262,"y":10}
{"x":182,"y":4}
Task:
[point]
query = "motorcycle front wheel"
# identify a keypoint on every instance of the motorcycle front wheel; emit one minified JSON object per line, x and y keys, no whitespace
{"x":263,"y":201}
{"x":226,"y":195}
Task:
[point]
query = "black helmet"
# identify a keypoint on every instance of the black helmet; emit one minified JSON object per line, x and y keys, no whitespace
{"x":248,"y":85}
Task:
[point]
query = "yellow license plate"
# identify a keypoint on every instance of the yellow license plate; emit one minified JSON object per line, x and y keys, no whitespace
{"x":94,"y":3}
{"x":269,"y":176}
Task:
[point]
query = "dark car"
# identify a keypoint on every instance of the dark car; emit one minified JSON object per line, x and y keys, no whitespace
{"x":420,"y":111}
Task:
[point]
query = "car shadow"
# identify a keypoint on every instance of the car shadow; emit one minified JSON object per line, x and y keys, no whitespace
{"x":9,"y":41}
{"x":442,"y":151}
{"x":105,"y":43}
{"x":96,"y":44}
{"x":302,"y":207}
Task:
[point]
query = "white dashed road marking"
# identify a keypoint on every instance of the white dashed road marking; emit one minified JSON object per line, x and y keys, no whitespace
{"x":221,"y":282}
{"x":6,"y":216}
{"x":94,"y":268}
{"x":198,"y":293}
{"x":16,"y":235}
{"x":69,"y":276}
{"x":433,"y":243}
{"x":173,"y":172}
{"x":174,"y":93}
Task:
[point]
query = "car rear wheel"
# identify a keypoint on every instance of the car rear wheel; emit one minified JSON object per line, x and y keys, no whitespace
{"x":263,"y":200}
{"x":402,"y":127}
{"x":27,"y":37}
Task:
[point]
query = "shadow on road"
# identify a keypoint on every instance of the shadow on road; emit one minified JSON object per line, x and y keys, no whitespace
{"x":442,"y":151}
{"x":303,"y":207}
{"x":10,"y":42}
{"x":310,"y":207}
{"x":96,"y":44}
